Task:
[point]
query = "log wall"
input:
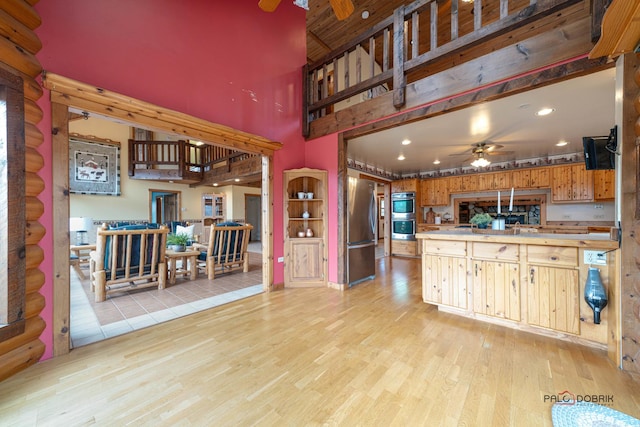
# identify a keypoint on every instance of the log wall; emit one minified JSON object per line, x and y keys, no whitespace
{"x":18,"y":47}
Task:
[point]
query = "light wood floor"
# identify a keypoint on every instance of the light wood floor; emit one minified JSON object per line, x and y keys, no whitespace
{"x":373,"y":355}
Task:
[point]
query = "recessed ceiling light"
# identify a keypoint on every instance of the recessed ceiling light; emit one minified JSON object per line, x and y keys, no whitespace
{"x":215,"y":184}
{"x":237,"y":180}
{"x":406,"y":141}
{"x":436,"y":162}
{"x":545,"y":111}
{"x":401,"y":157}
{"x":365,"y":14}
{"x":562,"y":143}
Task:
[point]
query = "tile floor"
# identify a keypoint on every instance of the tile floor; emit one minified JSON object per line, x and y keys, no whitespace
{"x":127,"y":311}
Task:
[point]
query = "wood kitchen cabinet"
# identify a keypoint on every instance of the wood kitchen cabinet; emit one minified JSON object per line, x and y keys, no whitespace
{"x":434,"y":192}
{"x":530,"y":178}
{"x":495,"y":273}
{"x":494,"y":181}
{"x":604,"y":187}
{"x":305,"y":256}
{"x":454,"y":184}
{"x":444,"y":274}
{"x":527,"y":282}
{"x":404,"y":185}
{"x":553,"y":289}
{"x":572,"y":183}
{"x":469,"y":183}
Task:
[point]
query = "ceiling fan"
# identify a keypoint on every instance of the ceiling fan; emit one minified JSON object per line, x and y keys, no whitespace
{"x":342,"y":8}
{"x":480,"y":151}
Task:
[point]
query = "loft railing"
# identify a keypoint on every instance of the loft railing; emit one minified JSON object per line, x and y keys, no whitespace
{"x":179,"y":159}
{"x":403,"y":45}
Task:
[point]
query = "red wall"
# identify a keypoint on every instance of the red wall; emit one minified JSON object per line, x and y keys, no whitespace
{"x":224,"y":61}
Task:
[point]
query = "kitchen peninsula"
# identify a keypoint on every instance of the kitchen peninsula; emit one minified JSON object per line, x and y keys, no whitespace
{"x":533,"y":282}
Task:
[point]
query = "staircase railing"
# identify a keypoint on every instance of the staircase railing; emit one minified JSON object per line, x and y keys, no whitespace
{"x":180,"y":159}
{"x":386,"y":56}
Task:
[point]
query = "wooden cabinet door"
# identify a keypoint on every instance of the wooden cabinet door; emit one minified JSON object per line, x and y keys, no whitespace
{"x":562,"y":188}
{"x":582,"y":183}
{"x":604,"y":187}
{"x":444,"y":280}
{"x":404,"y":185}
{"x":496,"y":289}
{"x":454,"y":184}
{"x":521,"y":178}
{"x":469,"y":183}
{"x":553,"y":298}
{"x":426,"y":192}
{"x":540,"y":178}
{"x":485,"y":182}
{"x":305,"y":262}
{"x":441,"y":188}
{"x":501,"y":180}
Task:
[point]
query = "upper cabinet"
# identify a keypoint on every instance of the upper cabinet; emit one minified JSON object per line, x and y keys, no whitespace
{"x":434,"y":192}
{"x":494,"y":181}
{"x":604,"y":185}
{"x":572,"y":183}
{"x":404,"y":185}
{"x":531,"y":178}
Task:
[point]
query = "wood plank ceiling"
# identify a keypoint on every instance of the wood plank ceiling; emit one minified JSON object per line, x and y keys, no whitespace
{"x":325,"y":33}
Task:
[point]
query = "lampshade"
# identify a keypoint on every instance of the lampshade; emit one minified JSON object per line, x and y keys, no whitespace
{"x":480,"y":162}
{"x":80,"y":224}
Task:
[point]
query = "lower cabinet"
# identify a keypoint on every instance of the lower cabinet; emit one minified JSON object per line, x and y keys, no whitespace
{"x":404,"y":247}
{"x":444,"y":280}
{"x":305,"y":259}
{"x":553,"y":298}
{"x":496,"y":289}
{"x":531,"y":286}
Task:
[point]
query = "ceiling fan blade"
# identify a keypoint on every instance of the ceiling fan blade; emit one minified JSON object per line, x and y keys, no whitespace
{"x":498,"y":153}
{"x":268,"y":5}
{"x":342,"y":8}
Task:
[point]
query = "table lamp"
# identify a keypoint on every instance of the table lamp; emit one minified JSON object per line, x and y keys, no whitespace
{"x":80,"y":225}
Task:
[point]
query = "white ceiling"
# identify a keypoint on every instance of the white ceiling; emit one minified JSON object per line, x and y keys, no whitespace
{"x":584,"y":106}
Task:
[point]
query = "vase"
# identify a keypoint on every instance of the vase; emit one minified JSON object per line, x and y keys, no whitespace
{"x":482,"y":225}
{"x":177,"y":248}
{"x":595,"y":294}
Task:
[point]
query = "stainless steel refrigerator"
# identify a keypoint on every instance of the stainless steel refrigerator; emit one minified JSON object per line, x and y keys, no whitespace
{"x":361,"y":223}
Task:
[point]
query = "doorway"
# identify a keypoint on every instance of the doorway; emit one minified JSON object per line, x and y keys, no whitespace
{"x":253,"y":215}
{"x":164,"y":206}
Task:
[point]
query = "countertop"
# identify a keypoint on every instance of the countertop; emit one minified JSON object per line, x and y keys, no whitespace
{"x":591,"y":240}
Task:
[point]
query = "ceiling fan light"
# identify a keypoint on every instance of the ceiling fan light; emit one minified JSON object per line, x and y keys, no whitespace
{"x":480,"y":162}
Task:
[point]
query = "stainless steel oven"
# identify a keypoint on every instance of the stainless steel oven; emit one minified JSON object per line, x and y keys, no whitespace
{"x":403,"y":216}
{"x":403,"y":228}
{"x":403,"y":205}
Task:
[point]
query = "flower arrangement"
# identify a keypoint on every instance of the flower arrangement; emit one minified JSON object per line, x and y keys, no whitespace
{"x":481,"y":220}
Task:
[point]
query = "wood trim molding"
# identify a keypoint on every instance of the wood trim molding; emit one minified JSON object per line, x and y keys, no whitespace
{"x":60,"y":225}
{"x":111,"y":104}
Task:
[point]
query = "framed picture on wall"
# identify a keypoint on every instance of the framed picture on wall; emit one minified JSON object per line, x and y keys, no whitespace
{"x":94,"y":167}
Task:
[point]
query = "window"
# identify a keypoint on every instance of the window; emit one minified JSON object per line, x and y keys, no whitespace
{"x":12,"y":206}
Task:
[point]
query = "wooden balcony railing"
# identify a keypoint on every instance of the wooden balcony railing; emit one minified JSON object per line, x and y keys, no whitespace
{"x":399,"y":49}
{"x":179,"y":160}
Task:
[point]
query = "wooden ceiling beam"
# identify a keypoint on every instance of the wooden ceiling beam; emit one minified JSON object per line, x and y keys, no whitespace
{"x":620,"y":29}
{"x":130,"y":110}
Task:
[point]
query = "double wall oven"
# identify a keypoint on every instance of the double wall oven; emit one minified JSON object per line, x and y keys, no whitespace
{"x":403,"y":216}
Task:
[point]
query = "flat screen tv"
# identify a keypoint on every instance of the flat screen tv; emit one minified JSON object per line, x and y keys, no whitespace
{"x":600,"y":151}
